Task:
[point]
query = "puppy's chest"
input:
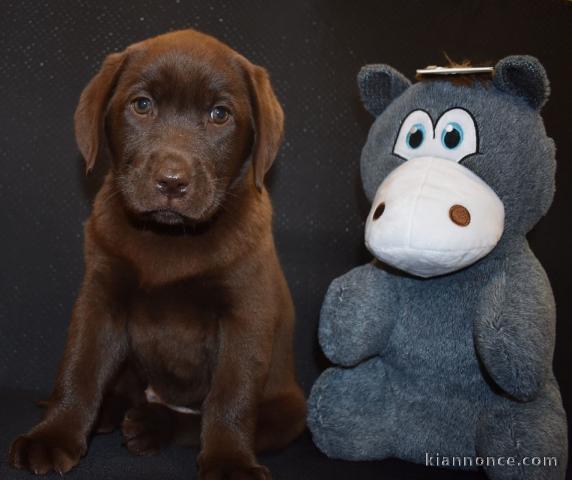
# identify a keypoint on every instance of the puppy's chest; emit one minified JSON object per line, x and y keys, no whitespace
{"x":173,"y":332}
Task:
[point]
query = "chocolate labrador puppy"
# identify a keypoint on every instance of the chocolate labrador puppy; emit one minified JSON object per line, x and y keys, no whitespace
{"x":182,"y":331}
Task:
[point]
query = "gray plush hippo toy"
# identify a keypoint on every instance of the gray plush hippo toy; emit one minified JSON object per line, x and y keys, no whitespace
{"x":444,"y":343}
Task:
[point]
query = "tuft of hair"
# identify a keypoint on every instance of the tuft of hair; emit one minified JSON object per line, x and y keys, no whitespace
{"x":463,"y":79}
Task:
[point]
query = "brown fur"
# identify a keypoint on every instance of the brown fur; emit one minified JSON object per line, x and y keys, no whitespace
{"x":182,"y":291}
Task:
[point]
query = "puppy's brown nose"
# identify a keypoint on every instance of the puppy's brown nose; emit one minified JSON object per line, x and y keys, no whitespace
{"x":172,"y":183}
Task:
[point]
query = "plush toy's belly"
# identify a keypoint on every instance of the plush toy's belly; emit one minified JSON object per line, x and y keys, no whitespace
{"x":432,"y":343}
{"x":432,"y":374}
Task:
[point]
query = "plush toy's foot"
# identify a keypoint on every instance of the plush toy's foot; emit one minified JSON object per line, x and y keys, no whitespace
{"x":533,"y":433}
{"x":346,"y":412}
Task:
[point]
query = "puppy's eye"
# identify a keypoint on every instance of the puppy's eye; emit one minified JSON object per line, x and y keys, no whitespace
{"x":219,"y":114}
{"x":142,"y":105}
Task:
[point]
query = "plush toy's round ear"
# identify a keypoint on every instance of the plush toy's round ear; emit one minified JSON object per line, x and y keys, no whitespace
{"x":379,"y":85}
{"x":523,"y":76}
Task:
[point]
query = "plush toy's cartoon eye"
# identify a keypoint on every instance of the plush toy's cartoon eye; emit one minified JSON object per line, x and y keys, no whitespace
{"x":416,"y":135}
{"x":452,"y":135}
{"x":456,"y":135}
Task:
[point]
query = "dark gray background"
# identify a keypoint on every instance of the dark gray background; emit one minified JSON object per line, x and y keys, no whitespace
{"x":313,"y":50}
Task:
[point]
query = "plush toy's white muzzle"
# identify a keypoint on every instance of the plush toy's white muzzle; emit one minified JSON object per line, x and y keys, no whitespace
{"x":433,"y":216}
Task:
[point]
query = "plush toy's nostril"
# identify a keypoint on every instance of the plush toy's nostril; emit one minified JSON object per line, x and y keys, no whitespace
{"x":379,"y":211}
{"x":459,"y":215}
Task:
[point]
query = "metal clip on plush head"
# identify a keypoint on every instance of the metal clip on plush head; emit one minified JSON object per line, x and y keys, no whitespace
{"x":451,"y":167}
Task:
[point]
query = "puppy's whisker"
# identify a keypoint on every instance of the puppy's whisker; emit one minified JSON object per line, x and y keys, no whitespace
{"x":106,"y":200}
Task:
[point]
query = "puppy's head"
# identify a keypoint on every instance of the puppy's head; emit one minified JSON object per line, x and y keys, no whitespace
{"x":185,"y":119}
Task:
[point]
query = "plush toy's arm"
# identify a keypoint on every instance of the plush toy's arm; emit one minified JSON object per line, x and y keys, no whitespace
{"x":358,"y":315}
{"x":515,"y":333}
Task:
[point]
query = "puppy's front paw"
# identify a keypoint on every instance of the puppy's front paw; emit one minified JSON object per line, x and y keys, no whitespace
{"x":45,"y":451}
{"x":221,"y":469}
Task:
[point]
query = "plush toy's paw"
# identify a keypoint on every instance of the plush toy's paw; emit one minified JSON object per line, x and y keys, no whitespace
{"x":356,"y":318}
{"x":41,"y":452}
{"x":532,"y":433}
{"x":325,"y":420}
{"x":346,"y":412}
{"x":213,"y":468}
{"x":506,"y":338}
{"x":147,"y":429}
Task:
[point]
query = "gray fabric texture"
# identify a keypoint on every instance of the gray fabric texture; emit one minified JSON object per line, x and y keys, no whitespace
{"x":456,"y":365}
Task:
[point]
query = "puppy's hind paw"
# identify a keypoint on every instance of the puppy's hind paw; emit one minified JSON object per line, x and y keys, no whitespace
{"x":147,"y":429}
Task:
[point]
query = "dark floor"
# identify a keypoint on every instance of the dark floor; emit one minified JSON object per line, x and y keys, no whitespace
{"x":108,"y":460}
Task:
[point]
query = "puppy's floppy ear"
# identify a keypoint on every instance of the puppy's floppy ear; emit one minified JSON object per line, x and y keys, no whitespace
{"x":268,"y":121}
{"x":523,"y":76}
{"x":379,"y":85}
{"x":90,"y":113}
